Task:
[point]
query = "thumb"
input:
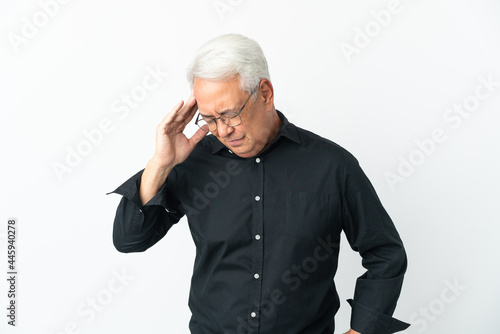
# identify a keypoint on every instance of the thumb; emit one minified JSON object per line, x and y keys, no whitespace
{"x":198,"y":135}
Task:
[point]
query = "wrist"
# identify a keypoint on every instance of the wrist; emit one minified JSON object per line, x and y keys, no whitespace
{"x":156,"y":173}
{"x":159,"y":165}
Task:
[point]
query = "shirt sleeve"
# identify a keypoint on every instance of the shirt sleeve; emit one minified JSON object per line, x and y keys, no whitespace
{"x":371,"y":232}
{"x":136,"y":227}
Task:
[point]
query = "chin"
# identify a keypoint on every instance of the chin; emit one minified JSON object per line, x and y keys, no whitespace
{"x":241,"y":152}
{"x":247,"y":153}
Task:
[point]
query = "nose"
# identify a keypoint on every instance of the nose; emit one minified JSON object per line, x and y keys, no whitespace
{"x":223,"y":129}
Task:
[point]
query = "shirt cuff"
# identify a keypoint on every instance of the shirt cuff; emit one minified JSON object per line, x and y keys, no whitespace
{"x":369,"y":321}
{"x":130,"y":189}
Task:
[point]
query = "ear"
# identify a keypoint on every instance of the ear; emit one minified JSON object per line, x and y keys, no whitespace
{"x":267,"y":92}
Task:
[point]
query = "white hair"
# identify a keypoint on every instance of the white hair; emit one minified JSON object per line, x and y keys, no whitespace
{"x":227,"y":56}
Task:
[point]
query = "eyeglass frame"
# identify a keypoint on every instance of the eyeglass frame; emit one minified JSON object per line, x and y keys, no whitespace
{"x":237,"y":114}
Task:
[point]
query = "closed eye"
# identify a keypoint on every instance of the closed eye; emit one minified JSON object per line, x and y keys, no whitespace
{"x":208,"y":119}
{"x":227,"y":111}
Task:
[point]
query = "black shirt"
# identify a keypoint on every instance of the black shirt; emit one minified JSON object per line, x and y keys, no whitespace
{"x":267,"y":232}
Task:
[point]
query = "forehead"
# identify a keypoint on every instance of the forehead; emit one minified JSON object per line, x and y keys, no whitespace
{"x":217,"y":96}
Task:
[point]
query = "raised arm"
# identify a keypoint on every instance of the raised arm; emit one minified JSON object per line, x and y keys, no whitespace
{"x":172,"y":147}
{"x":148,"y":210}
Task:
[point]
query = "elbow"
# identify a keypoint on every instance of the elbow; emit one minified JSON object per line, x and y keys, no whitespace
{"x":120,"y":248}
{"x":403,"y":260}
{"x":397,"y":261}
{"x":123,"y":246}
{"x":387,"y":261}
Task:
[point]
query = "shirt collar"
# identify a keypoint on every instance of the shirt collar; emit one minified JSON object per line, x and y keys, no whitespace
{"x":286,"y":129}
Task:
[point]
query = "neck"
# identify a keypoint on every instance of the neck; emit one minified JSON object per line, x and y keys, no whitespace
{"x":276,"y":123}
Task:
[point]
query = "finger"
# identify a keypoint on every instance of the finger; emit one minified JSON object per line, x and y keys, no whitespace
{"x":198,"y":135}
{"x":171,"y":124}
{"x":190,"y":115}
{"x":171,"y":114}
{"x":186,"y":109}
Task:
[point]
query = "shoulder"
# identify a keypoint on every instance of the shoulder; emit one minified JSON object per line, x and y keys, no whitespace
{"x":317,"y":144}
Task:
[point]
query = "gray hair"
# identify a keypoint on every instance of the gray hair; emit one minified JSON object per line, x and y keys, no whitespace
{"x":227,"y":56}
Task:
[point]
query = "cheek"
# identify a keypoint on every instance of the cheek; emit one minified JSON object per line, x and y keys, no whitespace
{"x":252,"y":130}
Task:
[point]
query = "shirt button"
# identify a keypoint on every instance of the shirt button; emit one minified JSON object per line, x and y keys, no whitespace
{"x":257,"y":236}
{"x":230,"y":151}
{"x":256,"y":276}
{"x":257,"y":198}
{"x":257,"y":160}
{"x":253,"y":314}
{"x":140,"y":210}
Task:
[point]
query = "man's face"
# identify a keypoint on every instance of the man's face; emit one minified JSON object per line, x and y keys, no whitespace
{"x":258,"y":119}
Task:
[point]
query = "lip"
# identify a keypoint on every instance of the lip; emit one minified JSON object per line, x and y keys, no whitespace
{"x":235,"y":142}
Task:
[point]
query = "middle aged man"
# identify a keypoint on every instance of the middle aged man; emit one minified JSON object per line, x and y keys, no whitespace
{"x":266,"y":202}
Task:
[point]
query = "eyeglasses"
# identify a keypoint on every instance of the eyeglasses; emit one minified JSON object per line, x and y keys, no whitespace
{"x":229,"y":118}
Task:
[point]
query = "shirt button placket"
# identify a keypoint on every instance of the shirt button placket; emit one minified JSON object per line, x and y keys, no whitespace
{"x":258,"y":246}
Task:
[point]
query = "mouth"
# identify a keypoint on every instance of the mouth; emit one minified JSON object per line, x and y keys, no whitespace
{"x":235,"y":142}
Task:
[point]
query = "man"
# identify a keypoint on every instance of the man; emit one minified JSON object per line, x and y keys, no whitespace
{"x":266,"y":202}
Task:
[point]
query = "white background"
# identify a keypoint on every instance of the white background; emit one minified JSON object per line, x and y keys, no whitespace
{"x":64,"y":79}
